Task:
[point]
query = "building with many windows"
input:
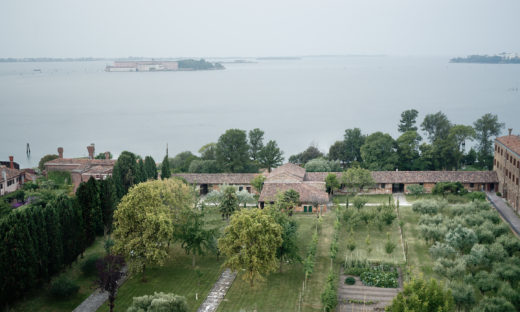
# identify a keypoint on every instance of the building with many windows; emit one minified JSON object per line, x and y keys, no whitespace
{"x":507,"y":166}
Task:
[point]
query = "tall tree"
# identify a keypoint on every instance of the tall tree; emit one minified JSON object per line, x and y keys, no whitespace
{"x":331,"y":183}
{"x":288,"y":250}
{"x":108,"y":199}
{"x":44,"y":159}
{"x":208,"y":151}
{"x":181,"y":162}
{"x":486,"y":127}
{"x":337,"y":151}
{"x":87,"y":196}
{"x":165,"y":168}
{"x":437,"y":126}
{"x":408,"y":119}
{"x":270,"y":156}
{"x":459,"y":134}
{"x":232,"y":151}
{"x":353,"y":139}
{"x":125,"y":173}
{"x":150,"y":168}
{"x":193,"y":235}
{"x":422,"y":296}
{"x":250,"y":243}
{"x":109,"y":273}
{"x":379,"y":152}
{"x":229,"y":202}
{"x":408,"y":150}
{"x":310,"y":153}
{"x":258,"y":182}
{"x":144,"y":221}
{"x":141,"y":173}
{"x":256,"y":143}
{"x":356,"y":179}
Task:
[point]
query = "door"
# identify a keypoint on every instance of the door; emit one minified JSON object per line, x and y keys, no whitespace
{"x":310,"y":208}
{"x":304,"y":208}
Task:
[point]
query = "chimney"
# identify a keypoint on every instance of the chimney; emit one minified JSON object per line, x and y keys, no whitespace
{"x":91,"y":149}
{"x":60,"y":152}
{"x":510,"y":130}
{"x":107,"y":155}
{"x":11,"y":165}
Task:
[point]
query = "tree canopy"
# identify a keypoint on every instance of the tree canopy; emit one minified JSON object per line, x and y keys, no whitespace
{"x":270,"y":156}
{"x":232,"y":151}
{"x":379,"y":152}
{"x":408,"y":119}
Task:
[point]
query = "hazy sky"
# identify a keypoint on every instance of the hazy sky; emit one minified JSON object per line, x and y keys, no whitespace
{"x":116,"y":28}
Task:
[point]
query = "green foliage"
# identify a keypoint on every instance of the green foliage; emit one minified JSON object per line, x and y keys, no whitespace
{"x":256,"y":143}
{"x":419,"y":295}
{"x":356,"y":179}
{"x":159,"y":302}
{"x":191,"y":232}
{"x":437,"y":126}
{"x":359,"y":202}
{"x":463,"y":295}
{"x":204,"y":166}
{"x":494,"y":304}
{"x":350,"y":280}
{"x":232,"y":151}
{"x":486,"y":127}
{"x":288,"y":250}
{"x":389,"y":245}
{"x":88,"y":199}
{"x":103,"y":156}
{"x":380,"y":276}
{"x":258,"y":182}
{"x":321,"y":164}
{"x":88,"y":266}
{"x":442,"y":188}
{"x":124,"y":173}
{"x":62,"y":288}
{"x":270,"y":156}
{"x":165,"y":168}
{"x":201,"y":64}
{"x":250,"y":243}
{"x":44,"y":159}
{"x":331,"y":183}
{"x":329,"y":296}
{"x":182,"y":161}
{"x":150,"y":168}
{"x":108,"y":200}
{"x":144,"y":221}
{"x":408,"y":151}
{"x":229,"y":202}
{"x":461,"y":238}
{"x":353,"y":139}
{"x":428,"y":206}
{"x":60,"y":177}
{"x":408,"y":119}
{"x":415,"y":189}
{"x":379,"y":153}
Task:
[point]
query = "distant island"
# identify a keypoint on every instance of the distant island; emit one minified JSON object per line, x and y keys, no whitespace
{"x":502,"y":58}
{"x":278,"y":58}
{"x":147,"y":66}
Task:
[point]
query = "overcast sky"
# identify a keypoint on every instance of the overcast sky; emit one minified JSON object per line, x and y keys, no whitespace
{"x":117,"y":28}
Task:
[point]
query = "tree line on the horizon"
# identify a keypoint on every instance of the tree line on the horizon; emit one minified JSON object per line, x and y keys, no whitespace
{"x":444,"y":148}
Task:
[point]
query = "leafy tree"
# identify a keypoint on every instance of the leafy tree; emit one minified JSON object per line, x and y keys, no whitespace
{"x":44,"y":159}
{"x":244,"y":197}
{"x":321,"y":164}
{"x":486,"y":127}
{"x":408,"y":119}
{"x":461,"y":238}
{"x":331,"y":183}
{"x":204,"y":166}
{"x":258,"y":182}
{"x":421,"y":296}
{"x":494,"y":304}
{"x":144,"y":221}
{"x":311,"y":152}
{"x":337,"y":151}
{"x":165,"y":168}
{"x":208,"y":151}
{"x":270,"y":156}
{"x":415,"y":189}
{"x":288,"y":250}
{"x":286,"y":201}
{"x":408,"y":150}
{"x":159,"y":302}
{"x":103,"y":156}
{"x":110,"y":272}
{"x":181,"y":162}
{"x":125,"y":173}
{"x":463,"y":295}
{"x":353,"y":140}
{"x":191,"y":232}
{"x":250,"y":243}
{"x":256,"y":143}
{"x":437,"y":126}
{"x":379,"y":152}
{"x":356,"y":179}
{"x":150,"y":168}
{"x":232,"y":151}
{"x":359,"y":202}
{"x":88,"y":199}
{"x":459,"y":134}
{"x":229,"y":202}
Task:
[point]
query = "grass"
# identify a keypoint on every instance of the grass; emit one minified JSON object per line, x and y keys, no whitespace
{"x":280,"y":291}
{"x":372,"y":199}
{"x":39,"y":299}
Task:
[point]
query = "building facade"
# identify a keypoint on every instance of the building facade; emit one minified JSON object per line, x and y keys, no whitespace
{"x":506,"y":164}
{"x":11,"y":178}
{"x":82,"y":169}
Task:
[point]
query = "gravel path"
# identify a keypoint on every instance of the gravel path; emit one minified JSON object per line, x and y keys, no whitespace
{"x":505,"y":211}
{"x":218,"y":292}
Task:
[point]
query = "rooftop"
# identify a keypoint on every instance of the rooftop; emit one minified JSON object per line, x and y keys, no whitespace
{"x":512,"y":142}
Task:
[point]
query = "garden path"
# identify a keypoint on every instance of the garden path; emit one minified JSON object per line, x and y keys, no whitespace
{"x":218,"y":292}
{"x":505,"y":211}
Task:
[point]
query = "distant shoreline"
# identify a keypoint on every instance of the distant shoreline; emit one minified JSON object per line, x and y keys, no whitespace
{"x":503,"y":58}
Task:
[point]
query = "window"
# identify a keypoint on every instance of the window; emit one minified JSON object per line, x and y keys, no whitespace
{"x":240,"y":188}
{"x":383,"y":185}
{"x":472,"y":185}
{"x":421,"y":184}
{"x":10,"y":182}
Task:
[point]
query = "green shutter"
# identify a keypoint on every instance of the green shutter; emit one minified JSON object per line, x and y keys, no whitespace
{"x":310,"y":208}
{"x":304,"y":208}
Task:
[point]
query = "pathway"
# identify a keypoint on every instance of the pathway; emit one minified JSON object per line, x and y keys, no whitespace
{"x":402,"y":199}
{"x":218,"y":292}
{"x":98,"y":297}
{"x":505,"y":211}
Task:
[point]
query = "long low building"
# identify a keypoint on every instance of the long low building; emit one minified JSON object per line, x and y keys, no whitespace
{"x":311,"y":185}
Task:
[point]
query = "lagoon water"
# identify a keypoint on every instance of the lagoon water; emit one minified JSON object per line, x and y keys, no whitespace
{"x":296,"y":102}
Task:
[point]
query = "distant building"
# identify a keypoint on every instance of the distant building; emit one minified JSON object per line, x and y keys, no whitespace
{"x":81,"y":169}
{"x":507,"y":166}
{"x":11,"y":178}
{"x":143,"y":66}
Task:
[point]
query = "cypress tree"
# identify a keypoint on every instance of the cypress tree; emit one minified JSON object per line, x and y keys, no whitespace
{"x":37,"y":228}
{"x":108,"y":198}
{"x":150,"y":168}
{"x":125,"y":173}
{"x":88,"y":199}
{"x":165,"y":168}
{"x":141,"y":172}
{"x":54,"y":239}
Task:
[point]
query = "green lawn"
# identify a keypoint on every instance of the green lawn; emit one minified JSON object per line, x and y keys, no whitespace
{"x":372,"y":199}
{"x":39,"y":300}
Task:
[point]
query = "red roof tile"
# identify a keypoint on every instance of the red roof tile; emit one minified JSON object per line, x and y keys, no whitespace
{"x":512,"y":142}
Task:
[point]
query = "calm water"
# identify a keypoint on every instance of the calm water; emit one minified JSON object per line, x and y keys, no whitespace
{"x":296,"y":102}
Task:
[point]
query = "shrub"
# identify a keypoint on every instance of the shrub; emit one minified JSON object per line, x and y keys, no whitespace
{"x":159,"y":302}
{"x":476,"y":196}
{"x":431,"y":220}
{"x":511,"y":244}
{"x":415,"y":189}
{"x":428,"y":206}
{"x":389,"y":245}
{"x":88,"y":267}
{"x":499,"y":194}
{"x":461,"y":238}
{"x":381,"y":276}
{"x":63,"y":287}
{"x":419,"y":294}
{"x":492,"y":304}
{"x":463,"y":295}
{"x":441,"y":250}
{"x":350,"y":280}
{"x":329,"y":297}
{"x":387,"y":215}
{"x":486,"y":282}
{"x":359,"y":202}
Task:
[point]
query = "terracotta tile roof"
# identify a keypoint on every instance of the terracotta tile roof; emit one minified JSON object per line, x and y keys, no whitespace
{"x":217,"y":178}
{"x":308,"y":193}
{"x":81,"y":161}
{"x":512,"y":142}
{"x":9,"y":173}
{"x":286,"y":173}
{"x":419,"y":176}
